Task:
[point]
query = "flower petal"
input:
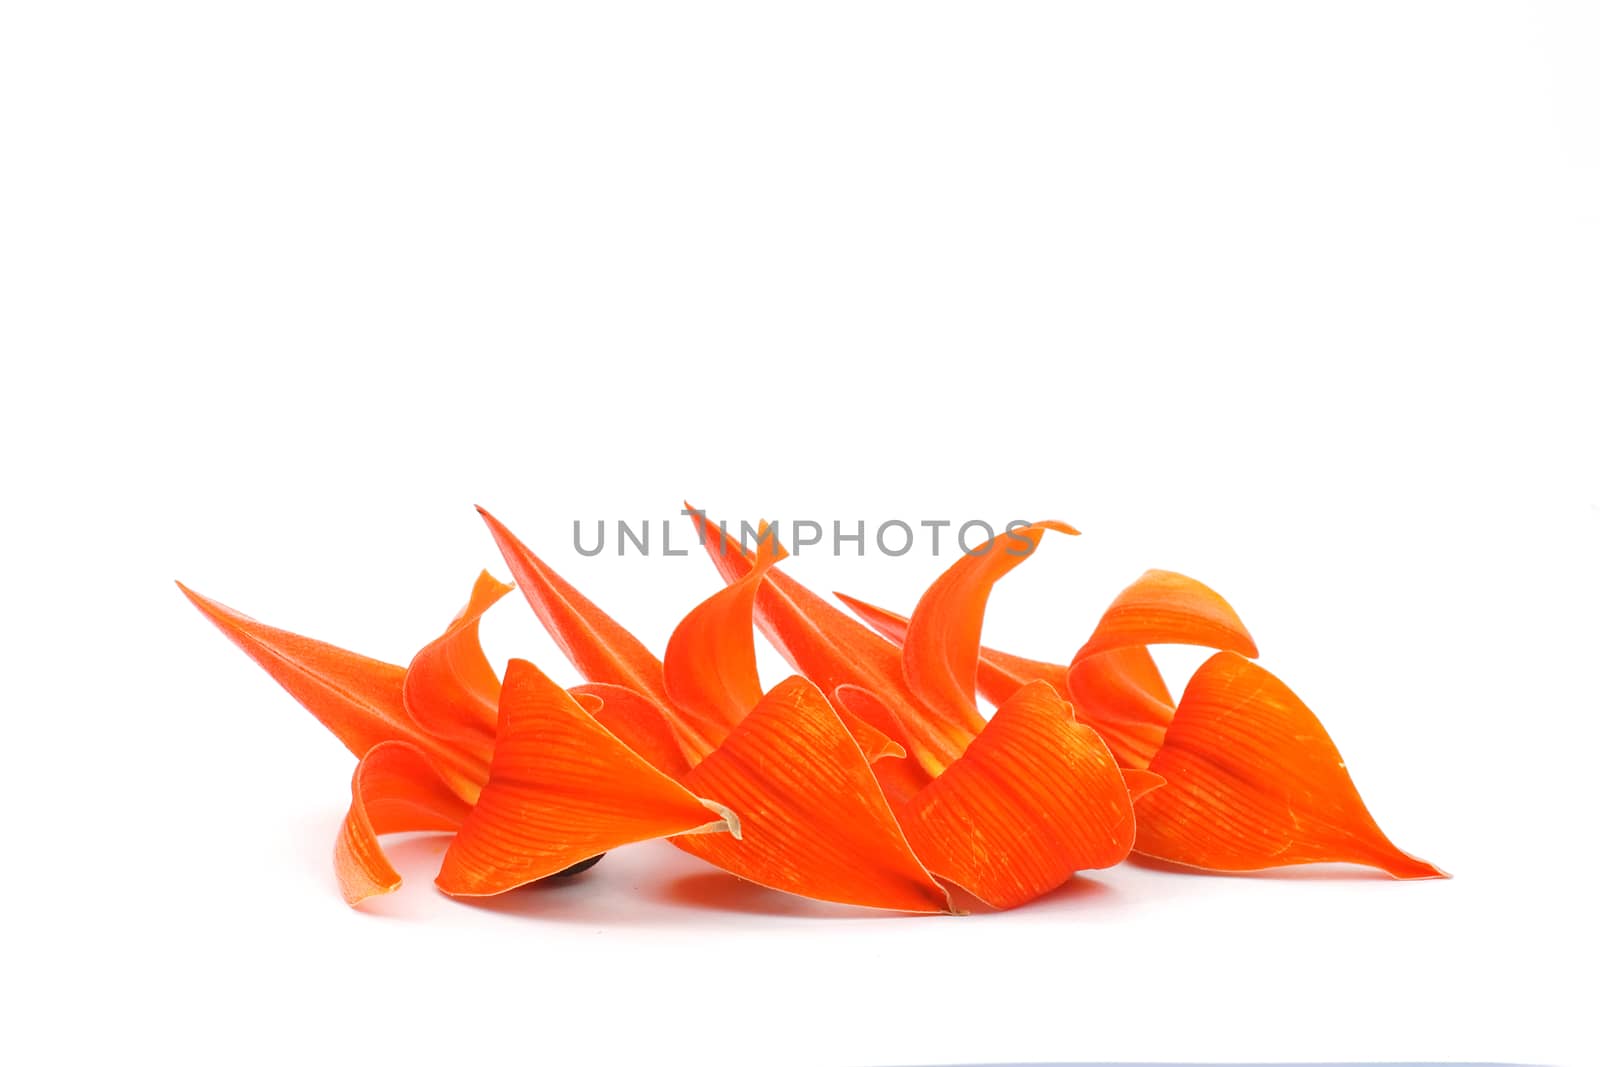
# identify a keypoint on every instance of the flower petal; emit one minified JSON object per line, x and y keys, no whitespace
{"x":596,"y":644}
{"x":1034,"y":798}
{"x":942,"y":637}
{"x":450,"y":688}
{"x":710,"y":664}
{"x":394,"y":790}
{"x":875,"y":744}
{"x":940,"y":657}
{"x":637,"y":722}
{"x":562,"y":788}
{"x":1119,"y":692}
{"x":901,"y":778}
{"x":833,"y":650}
{"x":357,"y":698}
{"x":1166,"y":608}
{"x":1254,"y":781}
{"x":814,"y":820}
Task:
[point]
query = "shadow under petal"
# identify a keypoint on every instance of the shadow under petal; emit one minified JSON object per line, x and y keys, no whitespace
{"x":1302,"y":872}
{"x":721,"y":891}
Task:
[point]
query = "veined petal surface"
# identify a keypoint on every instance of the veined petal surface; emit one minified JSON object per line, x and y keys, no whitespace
{"x":1254,"y":781}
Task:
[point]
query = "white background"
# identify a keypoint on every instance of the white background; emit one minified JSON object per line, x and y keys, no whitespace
{"x":1300,"y":300}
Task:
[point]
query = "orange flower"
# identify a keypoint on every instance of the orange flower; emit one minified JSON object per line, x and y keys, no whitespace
{"x":525,"y":775}
{"x":1253,"y":780}
{"x":814,"y":819}
{"x":1006,"y":809}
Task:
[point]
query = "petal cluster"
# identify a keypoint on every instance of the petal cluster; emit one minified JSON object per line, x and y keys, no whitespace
{"x":869,"y":777}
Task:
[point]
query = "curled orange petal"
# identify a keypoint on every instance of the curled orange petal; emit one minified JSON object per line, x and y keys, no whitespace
{"x":940,"y":657}
{"x":1254,"y":781}
{"x":1034,"y":798}
{"x":1166,"y":608}
{"x":450,"y":688}
{"x":1119,"y":692}
{"x":562,"y":789}
{"x":394,"y":790}
{"x":710,"y":664}
{"x":596,"y":644}
{"x":814,"y":820}
{"x":359,"y":699}
{"x":637,"y":722}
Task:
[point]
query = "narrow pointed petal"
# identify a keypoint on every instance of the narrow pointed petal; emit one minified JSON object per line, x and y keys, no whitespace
{"x":394,"y":790}
{"x":814,"y":820}
{"x":1165,"y":608}
{"x":832,"y":650}
{"x":901,"y":778}
{"x":942,"y":638}
{"x":450,"y":688}
{"x":638,"y":723}
{"x":1119,"y":692}
{"x":1034,"y":798}
{"x":874,"y":743}
{"x":359,"y":699}
{"x":940,"y":657}
{"x":562,"y":789}
{"x":710,"y":665}
{"x":1254,"y":781}
{"x":819,"y":641}
{"x":595,"y":643}
{"x":999,"y":673}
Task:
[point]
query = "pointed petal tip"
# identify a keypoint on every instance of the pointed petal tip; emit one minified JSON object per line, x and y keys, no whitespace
{"x":1405,"y":867}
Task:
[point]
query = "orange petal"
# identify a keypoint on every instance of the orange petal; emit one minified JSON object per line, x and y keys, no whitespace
{"x":875,"y":744}
{"x":941,"y":643}
{"x":710,"y":665}
{"x":1165,"y":608}
{"x":359,"y":699}
{"x":814,"y":820}
{"x":942,"y":637}
{"x":1119,"y":692}
{"x":394,"y":790}
{"x":999,"y":673}
{"x":828,"y":647}
{"x":819,"y":641}
{"x":901,"y":778}
{"x":1253,"y":781}
{"x":562,"y":789}
{"x":595,"y":643}
{"x":637,"y":723}
{"x":450,"y":688}
{"x":1035,"y":797}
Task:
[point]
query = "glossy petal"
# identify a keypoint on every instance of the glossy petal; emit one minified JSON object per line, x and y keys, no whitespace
{"x":901,"y":778}
{"x":596,"y":644}
{"x":710,"y":664}
{"x":394,"y":790}
{"x":814,"y":820}
{"x":942,"y":638}
{"x":1165,"y":608}
{"x":1254,"y":781}
{"x":562,"y":789}
{"x":1119,"y":692}
{"x":360,"y":700}
{"x":1035,"y":797}
{"x":450,"y":688}
{"x":832,"y":650}
{"x":637,"y":722}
